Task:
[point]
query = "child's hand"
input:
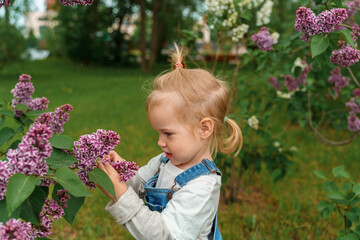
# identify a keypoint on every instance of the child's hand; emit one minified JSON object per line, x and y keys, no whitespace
{"x":114,"y":157}
{"x":119,"y":186}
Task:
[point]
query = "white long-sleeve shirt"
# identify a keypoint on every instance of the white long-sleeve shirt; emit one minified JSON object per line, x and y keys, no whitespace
{"x":188,"y":215}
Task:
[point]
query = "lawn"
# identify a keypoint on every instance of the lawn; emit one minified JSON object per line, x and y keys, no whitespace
{"x":114,"y":98}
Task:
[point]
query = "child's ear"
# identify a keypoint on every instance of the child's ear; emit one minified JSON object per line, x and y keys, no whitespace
{"x":206,"y":126}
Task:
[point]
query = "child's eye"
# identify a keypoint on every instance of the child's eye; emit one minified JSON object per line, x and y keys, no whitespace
{"x":167,"y":133}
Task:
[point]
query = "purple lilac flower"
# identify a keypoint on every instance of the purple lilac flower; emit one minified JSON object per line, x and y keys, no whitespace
{"x":304,"y":73}
{"x":353,"y":123}
{"x":91,"y":147}
{"x":355,"y":33}
{"x":354,"y":107}
{"x":15,"y":229}
{"x":275,"y":83}
{"x":56,"y":119}
{"x":51,"y":212}
{"x":63,"y":197}
{"x":5,"y":174}
{"x":29,"y":157}
{"x":356,"y":92}
{"x":338,"y":81}
{"x":263,"y":39}
{"x":22,"y":94}
{"x":345,"y":56}
{"x":353,"y":6}
{"x":309,"y":24}
{"x":125,"y":169}
{"x":290,"y":83}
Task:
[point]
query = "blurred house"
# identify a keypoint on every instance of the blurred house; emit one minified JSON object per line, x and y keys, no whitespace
{"x":40,"y":22}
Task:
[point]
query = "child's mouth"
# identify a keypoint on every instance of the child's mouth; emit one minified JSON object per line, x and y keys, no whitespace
{"x":168,"y":155}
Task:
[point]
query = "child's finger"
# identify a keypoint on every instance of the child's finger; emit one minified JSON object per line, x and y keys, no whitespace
{"x":110,"y":170}
{"x":101,"y":166}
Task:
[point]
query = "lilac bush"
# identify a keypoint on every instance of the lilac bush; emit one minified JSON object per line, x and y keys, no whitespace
{"x":41,"y":159}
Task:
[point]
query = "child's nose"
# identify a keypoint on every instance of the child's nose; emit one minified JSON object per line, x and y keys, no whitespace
{"x":161,"y":143}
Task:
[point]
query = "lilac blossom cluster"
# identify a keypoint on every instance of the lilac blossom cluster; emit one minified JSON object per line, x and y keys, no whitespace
{"x":309,"y":24}
{"x":63,"y":197}
{"x":76,"y":2}
{"x":345,"y":56}
{"x":125,"y":169}
{"x":22,"y":94}
{"x":56,"y":119}
{"x":353,"y":6}
{"x":51,"y":212}
{"x":263,"y":39}
{"x":91,"y":147}
{"x":15,"y":229}
{"x":354,"y":108}
{"x":338,"y":81}
{"x":292,"y":83}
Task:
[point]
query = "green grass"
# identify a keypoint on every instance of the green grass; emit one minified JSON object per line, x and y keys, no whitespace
{"x":112,"y":98}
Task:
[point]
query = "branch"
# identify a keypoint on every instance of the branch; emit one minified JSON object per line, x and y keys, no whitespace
{"x":322,"y":138}
{"x":353,"y":76}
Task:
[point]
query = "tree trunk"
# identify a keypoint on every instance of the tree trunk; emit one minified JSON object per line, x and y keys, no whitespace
{"x":144,"y":61}
{"x":155,"y":33}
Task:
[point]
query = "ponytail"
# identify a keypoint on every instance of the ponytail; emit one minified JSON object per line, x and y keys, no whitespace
{"x":235,"y":140}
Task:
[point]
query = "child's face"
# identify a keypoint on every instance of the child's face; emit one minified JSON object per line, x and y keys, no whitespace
{"x":182,"y":144}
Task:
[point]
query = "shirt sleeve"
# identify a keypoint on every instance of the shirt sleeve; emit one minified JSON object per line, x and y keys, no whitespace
{"x":191,"y":209}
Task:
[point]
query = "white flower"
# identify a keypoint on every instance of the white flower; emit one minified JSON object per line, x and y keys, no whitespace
{"x":239,"y":32}
{"x":280,"y":149}
{"x":263,"y":15}
{"x":298,"y":63}
{"x":284,"y":95}
{"x":253,"y":122}
{"x":294,"y":149}
{"x":275,"y":36}
{"x":276,"y":144}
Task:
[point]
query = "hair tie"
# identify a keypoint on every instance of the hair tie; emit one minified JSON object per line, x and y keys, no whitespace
{"x":225,"y":118}
{"x":178,"y":64}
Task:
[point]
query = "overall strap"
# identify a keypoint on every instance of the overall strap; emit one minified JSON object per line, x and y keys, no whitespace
{"x":205,"y":167}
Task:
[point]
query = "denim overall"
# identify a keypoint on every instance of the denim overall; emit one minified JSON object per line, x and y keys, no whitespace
{"x":157,"y":198}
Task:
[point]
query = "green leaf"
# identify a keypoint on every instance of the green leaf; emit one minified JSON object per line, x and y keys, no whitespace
{"x":34,"y":113}
{"x":304,"y":2}
{"x":101,"y":178}
{"x":338,"y":197}
{"x":4,"y":215}
{"x":71,"y":182}
{"x":18,"y":189}
{"x":62,"y":142}
{"x":340,"y":172}
{"x":356,"y":188}
{"x":348,"y":38}
{"x":352,"y":217}
{"x":6,"y":134}
{"x":320,"y":174}
{"x":22,"y":106}
{"x":325,"y":208}
{"x":350,"y":236}
{"x":15,"y":144}
{"x":73,"y":204}
{"x":32,"y":206}
{"x":60,"y":159}
{"x":8,"y":113}
{"x":318,"y":45}
{"x":330,"y":186}
{"x":2,"y":120}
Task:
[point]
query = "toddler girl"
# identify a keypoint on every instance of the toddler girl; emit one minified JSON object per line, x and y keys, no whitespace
{"x":181,"y":186}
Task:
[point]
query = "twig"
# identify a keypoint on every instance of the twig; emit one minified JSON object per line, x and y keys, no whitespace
{"x":353,"y":76}
{"x":323,"y":139}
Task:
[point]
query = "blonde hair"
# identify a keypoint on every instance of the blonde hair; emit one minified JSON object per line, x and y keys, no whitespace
{"x":200,"y":95}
